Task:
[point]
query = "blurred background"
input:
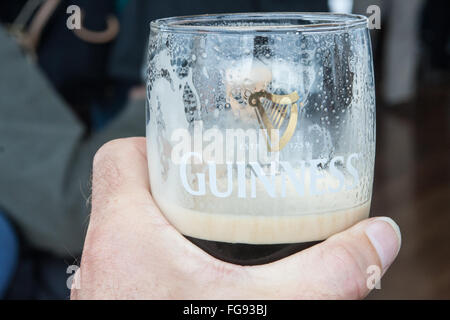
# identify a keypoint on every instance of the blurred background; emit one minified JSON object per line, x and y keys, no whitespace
{"x":63,"y":93}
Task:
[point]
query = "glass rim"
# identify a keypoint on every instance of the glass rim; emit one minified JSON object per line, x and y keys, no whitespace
{"x":328,"y":22}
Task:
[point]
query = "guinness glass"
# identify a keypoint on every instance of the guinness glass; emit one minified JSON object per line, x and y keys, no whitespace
{"x":260,"y":129}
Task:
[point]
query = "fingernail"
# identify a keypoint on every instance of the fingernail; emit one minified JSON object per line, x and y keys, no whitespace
{"x":385,"y":236}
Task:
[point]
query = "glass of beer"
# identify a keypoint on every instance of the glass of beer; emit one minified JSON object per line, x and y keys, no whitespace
{"x":260,"y":129}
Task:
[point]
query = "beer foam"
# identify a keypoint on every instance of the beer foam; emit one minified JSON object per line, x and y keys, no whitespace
{"x":258,"y":227}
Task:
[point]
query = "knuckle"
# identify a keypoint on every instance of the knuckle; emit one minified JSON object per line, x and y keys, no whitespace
{"x":107,"y":150}
{"x":348,"y":281}
{"x":106,"y":177}
{"x":115,"y":149}
{"x":109,"y":163}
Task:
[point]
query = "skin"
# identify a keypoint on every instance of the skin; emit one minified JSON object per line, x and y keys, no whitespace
{"x":132,"y":252}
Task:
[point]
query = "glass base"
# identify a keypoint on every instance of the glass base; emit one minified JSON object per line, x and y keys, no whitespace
{"x":250,"y":254}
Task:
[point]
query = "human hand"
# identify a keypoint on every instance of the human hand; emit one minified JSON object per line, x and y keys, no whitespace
{"x":132,"y":252}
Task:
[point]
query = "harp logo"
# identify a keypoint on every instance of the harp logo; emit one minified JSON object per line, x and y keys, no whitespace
{"x":277,"y":115}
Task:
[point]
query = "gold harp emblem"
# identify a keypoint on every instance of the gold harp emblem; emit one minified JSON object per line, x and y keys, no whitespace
{"x":272,"y":110}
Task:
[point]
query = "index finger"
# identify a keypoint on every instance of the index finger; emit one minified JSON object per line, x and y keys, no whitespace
{"x":120,"y":172}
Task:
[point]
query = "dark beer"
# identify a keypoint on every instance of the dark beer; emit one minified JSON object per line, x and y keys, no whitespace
{"x":250,"y":254}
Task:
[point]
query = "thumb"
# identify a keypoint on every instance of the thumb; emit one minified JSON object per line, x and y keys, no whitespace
{"x":342,"y":267}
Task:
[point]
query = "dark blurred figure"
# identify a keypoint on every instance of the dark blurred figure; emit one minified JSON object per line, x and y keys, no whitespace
{"x":435,"y":33}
